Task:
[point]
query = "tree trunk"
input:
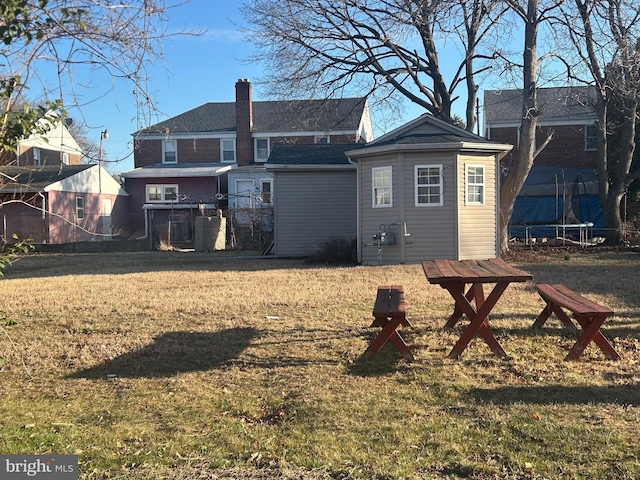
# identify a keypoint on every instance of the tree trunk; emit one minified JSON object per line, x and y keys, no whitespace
{"x":525,"y":153}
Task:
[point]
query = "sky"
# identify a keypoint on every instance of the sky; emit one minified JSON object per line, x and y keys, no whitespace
{"x":196,"y":70}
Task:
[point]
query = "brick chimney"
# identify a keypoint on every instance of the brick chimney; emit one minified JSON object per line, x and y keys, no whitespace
{"x":244,"y":123}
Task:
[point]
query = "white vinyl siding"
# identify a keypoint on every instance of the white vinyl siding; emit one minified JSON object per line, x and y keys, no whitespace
{"x":382,"y":191}
{"x":428,"y":185}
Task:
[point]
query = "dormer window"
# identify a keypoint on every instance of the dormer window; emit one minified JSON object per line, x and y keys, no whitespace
{"x":169,"y":151}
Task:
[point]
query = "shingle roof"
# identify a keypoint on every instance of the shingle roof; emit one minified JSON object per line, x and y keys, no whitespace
{"x":311,"y":154}
{"x":269,"y":116}
{"x":426,"y":139}
{"x":35,"y":179}
{"x":557,"y":103}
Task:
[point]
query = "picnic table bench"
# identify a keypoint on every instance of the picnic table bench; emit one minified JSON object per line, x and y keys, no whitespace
{"x":587,"y":313}
{"x":389,"y":312}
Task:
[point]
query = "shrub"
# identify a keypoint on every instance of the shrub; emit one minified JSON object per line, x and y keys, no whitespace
{"x":336,"y":251}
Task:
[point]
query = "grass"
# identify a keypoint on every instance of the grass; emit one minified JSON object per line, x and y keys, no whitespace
{"x":198,"y":366}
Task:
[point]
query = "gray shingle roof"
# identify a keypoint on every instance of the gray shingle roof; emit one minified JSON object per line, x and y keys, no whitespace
{"x":311,"y":154}
{"x":35,"y":179}
{"x":268,"y":116}
{"x":557,"y":103}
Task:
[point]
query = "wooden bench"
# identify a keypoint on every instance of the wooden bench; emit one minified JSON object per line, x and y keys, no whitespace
{"x":588,"y":314}
{"x":389,"y":312}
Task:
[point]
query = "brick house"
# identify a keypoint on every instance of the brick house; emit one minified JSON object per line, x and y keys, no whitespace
{"x":562,"y":188}
{"x":213,"y":156}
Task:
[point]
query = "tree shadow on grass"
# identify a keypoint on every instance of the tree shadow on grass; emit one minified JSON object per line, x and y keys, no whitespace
{"x":560,"y":394}
{"x":176,"y":352}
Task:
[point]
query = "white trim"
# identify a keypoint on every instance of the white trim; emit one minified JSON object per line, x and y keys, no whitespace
{"x":255,"y":149}
{"x":426,"y":147}
{"x":222,"y":150}
{"x":440,"y":185}
{"x":467,"y":184}
{"x":80,"y":208}
{"x":163,"y":192}
{"x":374,"y":203}
{"x":164,"y":151}
{"x":178,"y":172}
{"x":586,"y":127}
{"x":270,"y":182}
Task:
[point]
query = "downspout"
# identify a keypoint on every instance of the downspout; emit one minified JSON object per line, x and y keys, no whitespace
{"x":44,"y":217}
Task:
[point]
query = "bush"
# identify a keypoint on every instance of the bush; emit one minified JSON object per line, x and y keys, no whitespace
{"x":336,"y":251}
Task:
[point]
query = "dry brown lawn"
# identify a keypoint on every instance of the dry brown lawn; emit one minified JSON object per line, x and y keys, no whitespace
{"x":202,"y":366}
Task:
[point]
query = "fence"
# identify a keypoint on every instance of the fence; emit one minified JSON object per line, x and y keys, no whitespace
{"x":55,"y":229}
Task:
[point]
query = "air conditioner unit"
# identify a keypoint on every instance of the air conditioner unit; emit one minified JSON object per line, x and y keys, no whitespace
{"x":178,"y":231}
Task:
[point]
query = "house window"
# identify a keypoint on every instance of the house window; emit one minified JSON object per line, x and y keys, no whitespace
{"x":65,"y":158}
{"x":170,"y":151}
{"x":428,"y":185}
{"x":80,"y":208}
{"x":36,"y":156}
{"x":590,"y":138}
{"x":228,"y":150}
{"x":323,"y":139}
{"x":475,"y":187}
{"x":162,"y":193}
{"x":262,"y":149}
{"x":381,"y":182}
{"x":266,"y":187}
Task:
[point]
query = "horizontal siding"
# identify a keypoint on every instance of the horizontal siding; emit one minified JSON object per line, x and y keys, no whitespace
{"x":372,"y":218}
{"x":477,"y":234}
{"x":310,"y":207}
{"x":432,"y":229}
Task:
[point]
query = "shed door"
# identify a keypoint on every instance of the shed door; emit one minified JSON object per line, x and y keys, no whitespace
{"x":106,"y":218}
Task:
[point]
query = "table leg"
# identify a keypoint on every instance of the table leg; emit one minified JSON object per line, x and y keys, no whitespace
{"x":457,"y":311}
{"x":479,"y":319}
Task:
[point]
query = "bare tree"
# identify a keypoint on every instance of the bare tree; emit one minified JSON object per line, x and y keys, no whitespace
{"x":533,"y":14}
{"x":605,"y":36}
{"x":72,"y":38}
{"x":381,"y":47}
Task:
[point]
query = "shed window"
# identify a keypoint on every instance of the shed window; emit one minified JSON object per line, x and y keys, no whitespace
{"x":381,"y":178}
{"x":428,"y":185}
{"x":475,"y":185}
{"x":590,"y":137}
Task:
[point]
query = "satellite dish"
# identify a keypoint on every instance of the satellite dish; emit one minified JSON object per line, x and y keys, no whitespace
{"x":68,"y":121}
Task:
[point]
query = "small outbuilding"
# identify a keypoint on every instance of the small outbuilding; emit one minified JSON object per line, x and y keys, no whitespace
{"x":314,"y":197}
{"x":426,"y":191}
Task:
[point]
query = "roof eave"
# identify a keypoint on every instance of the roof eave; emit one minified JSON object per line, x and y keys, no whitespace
{"x":461,"y":146}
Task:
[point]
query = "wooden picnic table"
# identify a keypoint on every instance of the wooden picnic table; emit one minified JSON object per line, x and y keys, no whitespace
{"x":454,"y":276}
